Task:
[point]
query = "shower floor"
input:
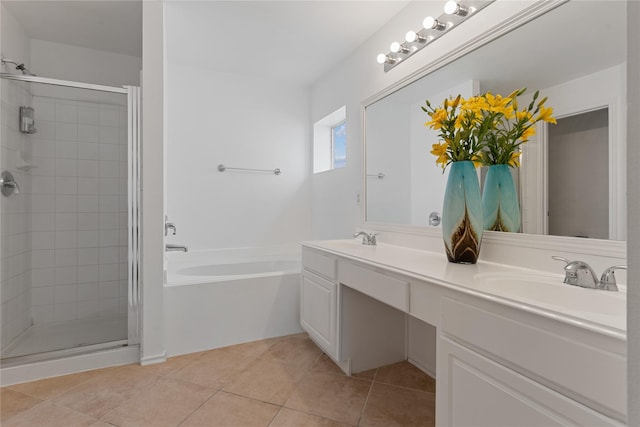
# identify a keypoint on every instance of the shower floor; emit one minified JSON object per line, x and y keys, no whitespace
{"x":67,"y":335}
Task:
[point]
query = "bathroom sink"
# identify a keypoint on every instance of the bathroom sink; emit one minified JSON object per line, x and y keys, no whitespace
{"x":550,"y":292}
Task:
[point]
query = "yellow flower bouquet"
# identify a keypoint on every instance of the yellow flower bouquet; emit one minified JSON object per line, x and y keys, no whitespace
{"x":457,"y":121}
{"x":508,"y":127}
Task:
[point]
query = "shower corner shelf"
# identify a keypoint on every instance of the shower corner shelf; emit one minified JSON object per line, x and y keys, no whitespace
{"x":23,"y":166}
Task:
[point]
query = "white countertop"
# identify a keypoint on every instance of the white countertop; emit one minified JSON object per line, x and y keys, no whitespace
{"x":537,"y":292}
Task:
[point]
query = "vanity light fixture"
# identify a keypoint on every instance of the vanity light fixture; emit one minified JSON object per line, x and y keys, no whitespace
{"x":455,"y":13}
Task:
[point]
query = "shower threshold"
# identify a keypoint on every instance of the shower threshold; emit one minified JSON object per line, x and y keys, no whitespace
{"x":61,"y":339}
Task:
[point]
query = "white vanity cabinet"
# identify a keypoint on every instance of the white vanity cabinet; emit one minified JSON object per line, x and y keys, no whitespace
{"x":318,"y":300}
{"x":508,"y":368}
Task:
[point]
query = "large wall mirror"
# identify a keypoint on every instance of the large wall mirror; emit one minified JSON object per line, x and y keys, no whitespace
{"x":572,"y":179}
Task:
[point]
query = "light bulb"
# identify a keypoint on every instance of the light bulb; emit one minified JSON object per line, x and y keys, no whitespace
{"x":381,"y":58}
{"x":428,"y":22}
{"x":411,"y":36}
{"x":452,"y":7}
{"x":431,"y":23}
{"x":395,"y":47}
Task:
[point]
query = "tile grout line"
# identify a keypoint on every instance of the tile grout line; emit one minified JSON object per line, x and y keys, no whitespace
{"x":193,"y":412}
{"x":366,"y":401}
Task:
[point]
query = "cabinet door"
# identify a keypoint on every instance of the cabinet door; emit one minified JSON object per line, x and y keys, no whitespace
{"x":318,"y":311}
{"x":473,"y":390}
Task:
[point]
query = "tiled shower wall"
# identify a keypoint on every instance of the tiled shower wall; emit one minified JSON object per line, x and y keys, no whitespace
{"x":15,"y":235}
{"x":78,"y":216}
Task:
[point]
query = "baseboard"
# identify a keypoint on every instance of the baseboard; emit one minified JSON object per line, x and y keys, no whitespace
{"x":423,"y":368}
{"x":152,"y":360}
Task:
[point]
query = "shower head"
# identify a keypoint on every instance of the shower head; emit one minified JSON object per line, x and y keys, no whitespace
{"x":20,"y":67}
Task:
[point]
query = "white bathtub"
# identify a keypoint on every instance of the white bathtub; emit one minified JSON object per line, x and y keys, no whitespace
{"x":218,"y":298}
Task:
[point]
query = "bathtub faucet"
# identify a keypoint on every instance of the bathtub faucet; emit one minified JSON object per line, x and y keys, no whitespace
{"x":173,"y":248}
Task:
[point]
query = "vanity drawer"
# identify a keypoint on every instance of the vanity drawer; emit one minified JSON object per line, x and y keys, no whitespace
{"x":578,"y":363}
{"x":388,"y":290}
{"x":318,"y":263}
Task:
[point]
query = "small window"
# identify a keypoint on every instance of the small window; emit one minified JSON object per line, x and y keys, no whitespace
{"x":339,"y":145}
{"x":330,"y":142}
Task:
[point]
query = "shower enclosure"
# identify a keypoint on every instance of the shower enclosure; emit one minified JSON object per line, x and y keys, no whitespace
{"x":69,"y":227}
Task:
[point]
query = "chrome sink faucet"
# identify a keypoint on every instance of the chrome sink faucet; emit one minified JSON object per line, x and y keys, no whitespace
{"x":367,"y":239}
{"x":579,"y":273}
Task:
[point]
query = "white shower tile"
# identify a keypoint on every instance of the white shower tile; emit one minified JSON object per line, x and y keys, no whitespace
{"x":42,"y":185}
{"x":42,"y":296}
{"x":66,"y":275}
{"x":109,"y":169}
{"x":66,"y":239}
{"x":42,"y":277}
{"x":87,"y":291}
{"x":89,"y":114}
{"x":88,"y":133}
{"x":88,"y":168}
{"x":109,"y":116}
{"x":89,"y":186}
{"x":66,"y":167}
{"x":89,"y":256}
{"x":66,"y":185}
{"x":109,"y":152}
{"x":42,"y":258}
{"x":109,"y":135}
{"x":88,"y":273}
{"x":44,"y":110}
{"x":66,"y":131}
{"x":88,"y":151}
{"x":109,"y":238}
{"x":42,"y":240}
{"x":109,"y":186}
{"x":109,"y":203}
{"x":42,"y":203}
{"x":42,"y":314}
{"x":109,"y":255}
{"x":88,"y":203}
{"x":42,"y":221}
{"x":43,"y":147}
{"x":65,"y":294}
{"x":108,"y":289}
{"x":66,"y":113}
{"x":66,"y":221}
{"x":46,"y":129}
{"x":66,"y":204}
{"x":43,"y":166}
{"x":88,"y":239}
{"x":123,"y":254}
{"x":88,"y":309}
{"x":66,"y":257}
{"x":88,"y":221}
{"x":66,"y":150}
{"x":109,"y":307}
{"x":65,"y":311}
{"x":109,"y":221}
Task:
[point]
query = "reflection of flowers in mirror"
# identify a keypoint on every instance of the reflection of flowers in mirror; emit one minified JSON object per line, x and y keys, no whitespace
{"x":486,"y":129}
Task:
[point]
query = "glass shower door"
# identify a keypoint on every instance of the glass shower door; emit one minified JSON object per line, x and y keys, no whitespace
{"x":68,"y":256}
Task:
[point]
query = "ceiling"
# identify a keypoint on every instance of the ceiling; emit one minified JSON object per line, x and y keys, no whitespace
{"x":112,"y":26}
{"x":292,"y":41}
{"x":295,"y":41}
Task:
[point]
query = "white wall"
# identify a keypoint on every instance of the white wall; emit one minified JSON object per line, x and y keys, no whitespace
{"x":215,"y":118}
{"x":66,"y":62}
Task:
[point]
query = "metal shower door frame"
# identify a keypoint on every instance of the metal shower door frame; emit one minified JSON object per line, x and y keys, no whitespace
{"x":133,"y":187}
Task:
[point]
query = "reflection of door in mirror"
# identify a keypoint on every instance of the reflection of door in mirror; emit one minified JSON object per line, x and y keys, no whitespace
{"x":578,"y":159}
{"x":596,"y":100}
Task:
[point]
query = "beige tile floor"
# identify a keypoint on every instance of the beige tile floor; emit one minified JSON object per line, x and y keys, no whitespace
{"x":278,"y":382}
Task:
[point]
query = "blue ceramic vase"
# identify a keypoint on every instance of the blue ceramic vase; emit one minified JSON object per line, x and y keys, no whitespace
{"x":500,"y":200}
{"x":462,"y":214}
